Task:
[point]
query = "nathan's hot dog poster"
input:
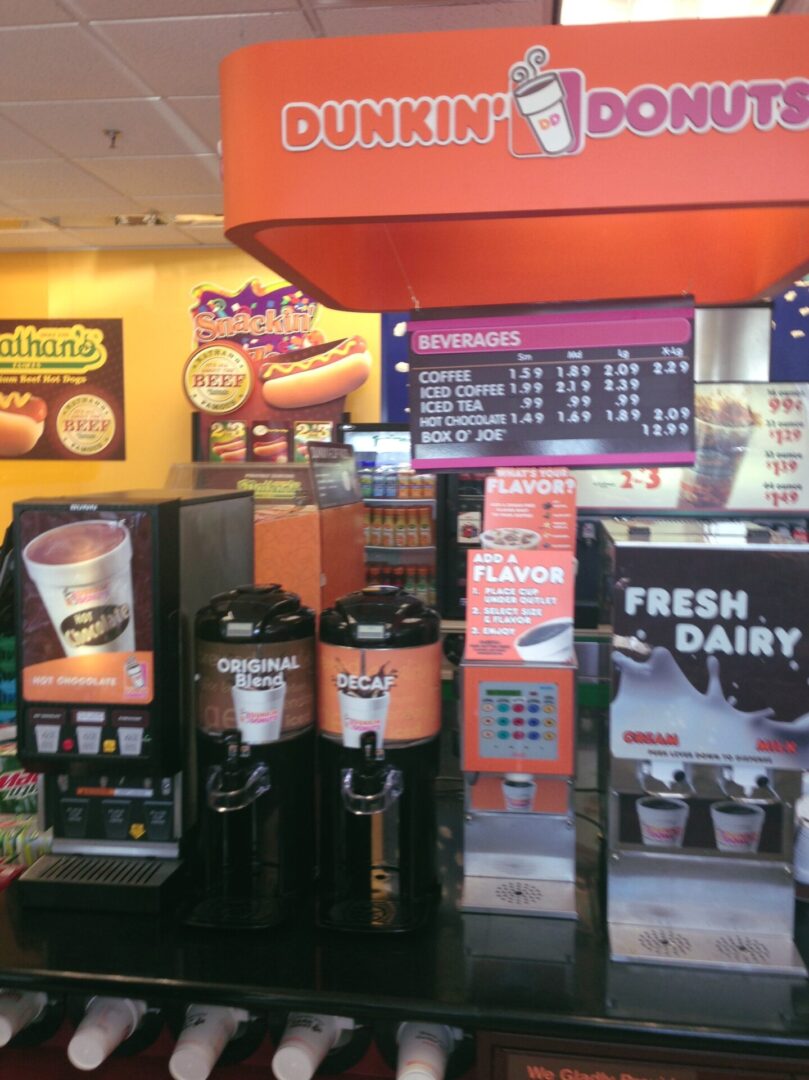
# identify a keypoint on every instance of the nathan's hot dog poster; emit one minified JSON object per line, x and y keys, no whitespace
{"x":61,"y":389}
{"x":266,"y":368}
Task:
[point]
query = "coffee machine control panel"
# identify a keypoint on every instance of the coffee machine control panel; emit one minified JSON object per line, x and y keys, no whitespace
{"x":518,"y":719}
{"x":518,"y":714}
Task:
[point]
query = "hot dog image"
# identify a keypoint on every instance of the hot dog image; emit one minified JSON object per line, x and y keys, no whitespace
{"x":22,"y":421}
{"x":317,"y":374}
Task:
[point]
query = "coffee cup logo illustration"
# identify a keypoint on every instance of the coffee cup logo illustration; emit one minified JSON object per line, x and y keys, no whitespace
{"x":540,"y":98}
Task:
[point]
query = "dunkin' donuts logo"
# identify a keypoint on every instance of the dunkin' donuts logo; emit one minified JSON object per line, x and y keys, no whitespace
{"x":547,"y":113}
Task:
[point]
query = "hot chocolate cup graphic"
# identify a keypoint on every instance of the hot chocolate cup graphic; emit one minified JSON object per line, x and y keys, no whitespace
{"x":549,"y":642}
{"x":83,"y":573}
{"x":662,"y":821}
{"x":541,"y":101}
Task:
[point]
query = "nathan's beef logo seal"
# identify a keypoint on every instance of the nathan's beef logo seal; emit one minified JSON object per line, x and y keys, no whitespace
{"x":394,"y":693}
{"x":265,"y":691}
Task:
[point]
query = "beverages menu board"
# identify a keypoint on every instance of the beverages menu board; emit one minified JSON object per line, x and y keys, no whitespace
{"x":752,"y":455}
{"x":595,"y":386}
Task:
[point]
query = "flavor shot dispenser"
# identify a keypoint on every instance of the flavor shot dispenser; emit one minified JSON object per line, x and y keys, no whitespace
{"x":379,"y":716}
{"x":255,"y":665}
{"x":709,"y":732}
{"x":107,"y":589}
{"x":518,"y":680}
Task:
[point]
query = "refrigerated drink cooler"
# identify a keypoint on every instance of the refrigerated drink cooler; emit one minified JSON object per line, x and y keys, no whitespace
{"x":708,"y":737}
{"x":108,"y":586}
{"x":379,"y":717}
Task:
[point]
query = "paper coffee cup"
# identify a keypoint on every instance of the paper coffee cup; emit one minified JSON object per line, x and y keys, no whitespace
{"x":548,"y":642}
{"x":542,"y":102}
{"x":518,"y":792}
{"x":510,"y":539}
{"x":83,"y":573}
{"x":737,"y":826}
{"x":662,"y":821}
{"x":359,"y":715}
{"x":259,"y":713}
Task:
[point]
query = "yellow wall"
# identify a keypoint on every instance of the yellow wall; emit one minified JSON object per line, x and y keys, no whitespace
{"x":152,"y":292}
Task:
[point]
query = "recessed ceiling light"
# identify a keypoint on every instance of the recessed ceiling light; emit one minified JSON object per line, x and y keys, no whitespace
{"x":581,"y":12}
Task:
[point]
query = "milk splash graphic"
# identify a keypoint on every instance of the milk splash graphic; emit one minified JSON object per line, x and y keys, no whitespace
{"x":657,"y":713}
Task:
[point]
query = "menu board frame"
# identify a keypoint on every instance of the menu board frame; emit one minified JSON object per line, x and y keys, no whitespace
{"x":584,"y":384}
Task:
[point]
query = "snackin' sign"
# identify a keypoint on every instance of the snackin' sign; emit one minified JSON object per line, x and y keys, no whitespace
{"x":547,"y":113}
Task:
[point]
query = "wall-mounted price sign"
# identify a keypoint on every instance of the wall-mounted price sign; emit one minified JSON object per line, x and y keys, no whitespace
{"x":590,"y":386}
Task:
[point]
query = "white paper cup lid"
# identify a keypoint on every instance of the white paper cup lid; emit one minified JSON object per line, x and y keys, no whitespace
{"x":192,"y":1063}
{"x":294,"y":1063}
{"x":417,"y":1072}
{"x":7,"y":1032}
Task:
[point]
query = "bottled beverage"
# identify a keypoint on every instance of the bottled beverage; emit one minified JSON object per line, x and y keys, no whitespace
{"x":312,"y":1039}
{"x":389,"y":529}
{"x":406,"y":477}
{"x":412,"y":527}
{"x":411,"y":580}
{"x":211,"y":1032}
{"x":400,"y":533}
{"x":422,"y":588}
{"x":367,"y":526}
{"x":432,"y":598}
{"x":398,"y":577}
{"x":391,"y":484}
{"x":425,"y":527}
{"x":367,"y":483}
{"x":376,"y":528}
{"x":374,"y":576}
{"x":110,"y":1023}
{"x":378,"y":484}
{"x":428,"y":485}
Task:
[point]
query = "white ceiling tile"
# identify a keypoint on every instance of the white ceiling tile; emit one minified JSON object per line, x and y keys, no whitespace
{"x":32,"y":12}
{"x":352,"y":21}
{"x":200,"y":113}
{"x":207,"y":236}
{"x":60,"y":206}
{"x":158,"y":9}
{"x":178,"y":175}
{"x":77,"y":128}
{"x":47,"y":179}
{"x":141,"y":236}
{"x":17,"y":145}
{"x":182,"y":204}
{"x":179,"y":57}
{"x":59,"y":63}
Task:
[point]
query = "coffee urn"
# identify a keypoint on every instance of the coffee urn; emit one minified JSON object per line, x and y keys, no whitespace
{"x":379,"y":716}
{"x":255,"y":750}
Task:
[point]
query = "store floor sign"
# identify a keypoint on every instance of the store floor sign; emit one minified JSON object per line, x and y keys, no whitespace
{"x":548,"y":113}
{"x":62,"y":389}
{"x":530,"y":509}
{"x":520,"y":606}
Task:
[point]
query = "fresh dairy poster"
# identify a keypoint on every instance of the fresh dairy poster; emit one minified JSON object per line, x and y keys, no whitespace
{"x":711,"y":660}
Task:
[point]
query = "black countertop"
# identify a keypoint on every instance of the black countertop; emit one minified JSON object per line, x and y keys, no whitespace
{"x":482,"y":972}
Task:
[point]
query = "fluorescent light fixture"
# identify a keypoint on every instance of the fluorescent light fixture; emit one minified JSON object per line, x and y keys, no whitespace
{"x":199,"y":221}
{"x":583,"y":12}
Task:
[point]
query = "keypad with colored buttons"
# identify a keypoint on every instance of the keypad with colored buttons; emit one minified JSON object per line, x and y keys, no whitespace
{"x":518,"y":720}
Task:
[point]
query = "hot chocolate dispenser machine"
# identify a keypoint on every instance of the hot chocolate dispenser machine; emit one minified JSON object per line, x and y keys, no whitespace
{"x":107,"y":590}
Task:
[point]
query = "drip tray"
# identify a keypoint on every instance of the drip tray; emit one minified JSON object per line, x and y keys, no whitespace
{"x":100,"y":883}
{"x":733,"y":950}
{"x":519,"y":896}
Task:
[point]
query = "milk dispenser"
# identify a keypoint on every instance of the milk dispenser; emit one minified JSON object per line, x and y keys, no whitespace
{"x":708,"y":737}
{"x":107,"y":589}
{"x":379,"y":715}
{"x":255,"y":664}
